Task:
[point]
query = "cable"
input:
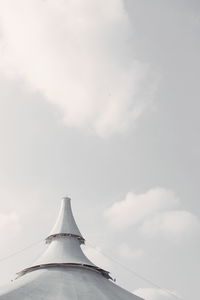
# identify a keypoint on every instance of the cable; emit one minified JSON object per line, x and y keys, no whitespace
{"x":20,"y":251}
{"x":135,"y":273}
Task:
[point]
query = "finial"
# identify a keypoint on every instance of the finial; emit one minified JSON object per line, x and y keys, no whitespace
{"x":66,"y":198}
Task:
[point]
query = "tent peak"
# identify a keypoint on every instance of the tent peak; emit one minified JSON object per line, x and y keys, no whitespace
{"x":64,"y":249}
{"x":65,"y":225}
{"x":66,"y":198}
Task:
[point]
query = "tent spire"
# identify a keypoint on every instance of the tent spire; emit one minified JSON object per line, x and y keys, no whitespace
{"x":64,"y":245}
{"x":65,"y":224}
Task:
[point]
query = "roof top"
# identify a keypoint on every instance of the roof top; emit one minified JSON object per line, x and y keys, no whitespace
{"x":65,"y":223}
{"x":63,"y":242}
{"x":63,"y":272}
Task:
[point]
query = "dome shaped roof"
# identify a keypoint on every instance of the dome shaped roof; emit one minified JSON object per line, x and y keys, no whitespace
{"x":63,"y":272}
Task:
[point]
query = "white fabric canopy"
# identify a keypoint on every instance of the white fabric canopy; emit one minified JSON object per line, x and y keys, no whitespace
{"x":63,"y":271}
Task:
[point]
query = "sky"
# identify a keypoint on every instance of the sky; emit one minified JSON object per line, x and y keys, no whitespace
{"x":99,"y":100}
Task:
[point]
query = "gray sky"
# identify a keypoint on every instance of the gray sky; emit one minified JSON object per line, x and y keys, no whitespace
{"x":100,"y":101}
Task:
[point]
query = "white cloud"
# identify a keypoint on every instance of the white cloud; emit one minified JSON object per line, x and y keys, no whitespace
{"x":9,"y":223}
{"x":137,"y":207}
{"x":156,"y":212}
{"x":177,"y":223}
{"x":79,"y":55}
{"x":153,"y":294}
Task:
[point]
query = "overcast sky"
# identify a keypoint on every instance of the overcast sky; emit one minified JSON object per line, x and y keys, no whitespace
{"x":99,"y":100}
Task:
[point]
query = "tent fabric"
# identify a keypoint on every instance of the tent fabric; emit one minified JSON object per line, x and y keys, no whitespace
{"x":63,"y":250}
{"x":63,"y":271}
{"x":65,"y":222}
{"x":65,"y":284}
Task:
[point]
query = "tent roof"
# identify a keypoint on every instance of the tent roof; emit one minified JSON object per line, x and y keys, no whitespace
{"x":63,"y":271}
{"x":65,"y":284}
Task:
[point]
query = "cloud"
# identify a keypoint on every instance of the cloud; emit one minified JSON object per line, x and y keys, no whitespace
{"x":177,"y":223}
{"x":9,"y":223}
{"x":80,"y":56}
{"x":135,"y":208}
{"x":153,"y":294}
{"x":156,"y":212}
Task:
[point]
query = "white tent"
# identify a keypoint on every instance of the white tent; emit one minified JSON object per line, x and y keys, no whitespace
{"x":63,"y":271}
